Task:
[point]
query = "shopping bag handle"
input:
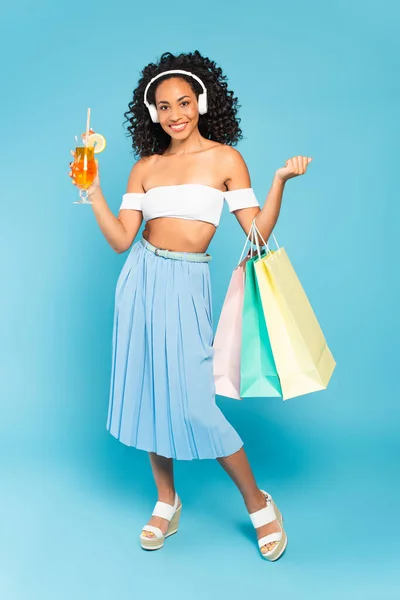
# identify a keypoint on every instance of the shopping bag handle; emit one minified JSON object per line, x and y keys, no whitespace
{"x":255,"y":230}
{"x":245,"y":245}
{"x":254,"y":240}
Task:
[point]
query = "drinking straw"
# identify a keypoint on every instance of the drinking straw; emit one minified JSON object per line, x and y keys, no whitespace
{"x":85,"y":165}
{"x":87,"y":126}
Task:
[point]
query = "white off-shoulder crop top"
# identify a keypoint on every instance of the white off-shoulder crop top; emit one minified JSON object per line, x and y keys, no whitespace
{"x":193,"y":201}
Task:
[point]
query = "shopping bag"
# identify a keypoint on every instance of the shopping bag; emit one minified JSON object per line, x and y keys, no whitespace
{"x":304,"y":362}
{"x":228,"y":338}
{"x":258,"y":373}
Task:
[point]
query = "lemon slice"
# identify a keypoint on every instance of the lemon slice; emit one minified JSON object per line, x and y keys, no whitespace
{"x":98,"y":141}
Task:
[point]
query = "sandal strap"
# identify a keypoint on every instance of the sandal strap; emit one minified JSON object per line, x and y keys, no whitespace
{"x":264,"y":515}
{"x":151,"y":529}
{"x":164,"y":510}
{"x":272,"y":537}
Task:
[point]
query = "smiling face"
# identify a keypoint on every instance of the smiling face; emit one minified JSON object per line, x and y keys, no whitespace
{"x":177,"y":108}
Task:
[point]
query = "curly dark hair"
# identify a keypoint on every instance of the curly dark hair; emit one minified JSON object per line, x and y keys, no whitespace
{"x":220,"y":123}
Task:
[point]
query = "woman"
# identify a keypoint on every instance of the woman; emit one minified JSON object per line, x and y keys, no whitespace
{"x":162,"y":399}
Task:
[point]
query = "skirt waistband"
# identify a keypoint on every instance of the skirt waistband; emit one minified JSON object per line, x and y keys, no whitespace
{"x":189,"y":256}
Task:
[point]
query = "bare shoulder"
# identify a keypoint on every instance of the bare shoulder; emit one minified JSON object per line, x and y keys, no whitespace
{"x":236,"y":173}
{"x":138,"y":173}
{"x":230,"y":155}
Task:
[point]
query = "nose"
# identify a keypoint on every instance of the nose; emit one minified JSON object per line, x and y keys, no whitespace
{"x":174,"y":114}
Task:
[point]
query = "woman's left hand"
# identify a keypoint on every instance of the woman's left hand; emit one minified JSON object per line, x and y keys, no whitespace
{"x":293,"y":167}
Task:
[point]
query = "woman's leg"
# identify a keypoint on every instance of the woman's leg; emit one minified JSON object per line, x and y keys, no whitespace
{"x":163,"y":472}
{"x":238,"y":468}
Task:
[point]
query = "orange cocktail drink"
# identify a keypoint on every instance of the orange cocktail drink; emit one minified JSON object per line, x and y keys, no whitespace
{"x":84,"y":167}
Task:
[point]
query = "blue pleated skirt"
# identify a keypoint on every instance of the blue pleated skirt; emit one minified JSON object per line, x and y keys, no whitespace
{"x":162,"y":392}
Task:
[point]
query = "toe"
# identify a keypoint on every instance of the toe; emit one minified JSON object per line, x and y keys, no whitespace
{"x":268,"y":547}
{"x":147,"y":533}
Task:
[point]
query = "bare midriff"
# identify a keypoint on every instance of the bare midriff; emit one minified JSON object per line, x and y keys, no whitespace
{"x":179,"y":235}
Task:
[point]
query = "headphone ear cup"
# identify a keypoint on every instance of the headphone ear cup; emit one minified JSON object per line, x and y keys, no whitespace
{"x":153,"y":113}
{"x":202,"y":103}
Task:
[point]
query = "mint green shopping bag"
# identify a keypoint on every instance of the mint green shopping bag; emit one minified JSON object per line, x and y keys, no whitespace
{"x":258,"y":374}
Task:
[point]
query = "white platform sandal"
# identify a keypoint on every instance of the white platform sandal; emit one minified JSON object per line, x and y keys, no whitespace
{"x":166,"y":511}
{"x":264,"y":516}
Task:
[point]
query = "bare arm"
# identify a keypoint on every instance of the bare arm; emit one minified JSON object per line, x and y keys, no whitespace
{"x":267,"y":216}
{"x":119,"y":231}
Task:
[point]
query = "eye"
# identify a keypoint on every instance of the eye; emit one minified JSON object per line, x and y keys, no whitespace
{"x":185,"y":102}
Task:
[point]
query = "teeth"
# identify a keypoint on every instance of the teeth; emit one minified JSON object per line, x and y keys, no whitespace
{"x":178,"y":127}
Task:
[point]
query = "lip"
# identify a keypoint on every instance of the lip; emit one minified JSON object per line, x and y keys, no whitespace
{"x":178,"y":125}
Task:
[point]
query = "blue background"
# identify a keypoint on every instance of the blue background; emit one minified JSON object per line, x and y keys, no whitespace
{"x":313,"y":78}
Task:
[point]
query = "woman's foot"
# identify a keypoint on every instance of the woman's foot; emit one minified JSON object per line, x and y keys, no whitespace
{"x":159,"y":521}
{"x":167,"y":516}
{"x":257,"y":503}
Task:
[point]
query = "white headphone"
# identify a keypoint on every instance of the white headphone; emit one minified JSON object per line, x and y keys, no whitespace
{"x":202,"y":99}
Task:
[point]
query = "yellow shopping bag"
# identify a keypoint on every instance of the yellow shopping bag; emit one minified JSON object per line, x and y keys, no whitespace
{"x":302,"y":357}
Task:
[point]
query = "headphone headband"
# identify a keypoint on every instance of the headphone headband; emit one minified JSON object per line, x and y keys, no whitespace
{"x":202,"y":100}
{"x":167,"y":73}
